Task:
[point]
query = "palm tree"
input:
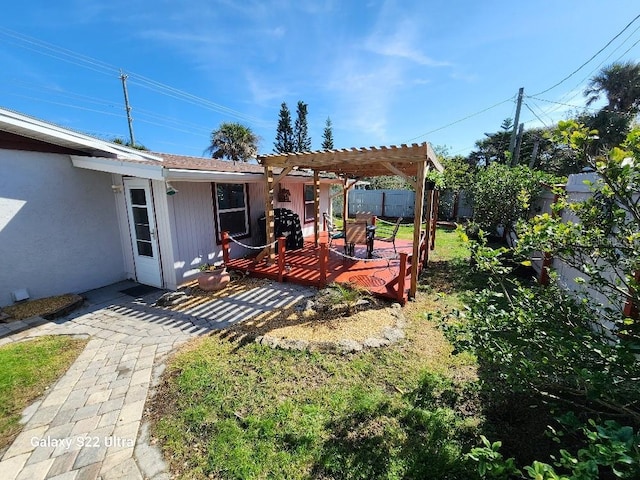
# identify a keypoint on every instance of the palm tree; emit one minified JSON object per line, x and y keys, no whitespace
{"x":233,"y":141}
{"x":620,"y":82}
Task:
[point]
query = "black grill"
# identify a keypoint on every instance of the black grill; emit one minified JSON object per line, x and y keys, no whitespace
{"x":287,"y":224}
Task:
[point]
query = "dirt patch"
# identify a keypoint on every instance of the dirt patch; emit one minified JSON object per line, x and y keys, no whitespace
{"x":49,"y":307}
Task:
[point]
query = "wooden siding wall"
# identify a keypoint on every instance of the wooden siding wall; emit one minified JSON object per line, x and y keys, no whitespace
{"x":297,"y":202}
{"x":192,"y":222}
{"x":123,"y":222}
{"x":191,"y":217}
{"x":164,"y":234}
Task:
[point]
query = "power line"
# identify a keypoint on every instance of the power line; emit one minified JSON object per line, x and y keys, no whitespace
{"x":588,"y":61}
{"x":542,"y":111}
{"x":567,"y":97}
{"x":593,"y":109}
{"x":535,"y":114}
{"x":460,"y":120}
{"x":84,"y":61}
{"x":67,"y":105}
{"x":108,"y":103}
{"x":628,"y":50}
{"x":606,"y":58}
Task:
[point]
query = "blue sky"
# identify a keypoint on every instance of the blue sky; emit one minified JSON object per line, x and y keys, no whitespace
{"x":385,"y":72}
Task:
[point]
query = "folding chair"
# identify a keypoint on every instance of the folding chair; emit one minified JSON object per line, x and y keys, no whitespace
{"x":355,"y":233}
{"x":364,"y":217}
{"x":332,"y":231}
{"x":388,"y":234}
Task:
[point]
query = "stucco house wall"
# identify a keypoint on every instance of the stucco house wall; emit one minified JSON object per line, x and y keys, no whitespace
{"x":58,"y":226}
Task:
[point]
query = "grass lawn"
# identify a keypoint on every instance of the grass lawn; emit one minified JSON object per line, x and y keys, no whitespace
{"x":233,"y":410}
{"x":28,"y":368}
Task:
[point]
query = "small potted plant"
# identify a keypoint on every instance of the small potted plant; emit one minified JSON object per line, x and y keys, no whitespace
{"x":434,"y":180}
{"x":213,"y":277}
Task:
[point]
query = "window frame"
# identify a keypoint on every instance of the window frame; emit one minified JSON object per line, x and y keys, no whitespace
{"x":217,"y":211}
{"x":306,"y":202}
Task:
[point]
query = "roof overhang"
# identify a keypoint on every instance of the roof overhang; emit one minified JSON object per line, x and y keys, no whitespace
{"x":29,"y":127}
{"x":123,"y":167}
{"x":156,"y":171}
{"x":187,"y":175}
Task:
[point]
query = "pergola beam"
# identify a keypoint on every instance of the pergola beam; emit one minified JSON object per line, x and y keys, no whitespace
{"x":286,"y":171}
{"x":396,"y":171}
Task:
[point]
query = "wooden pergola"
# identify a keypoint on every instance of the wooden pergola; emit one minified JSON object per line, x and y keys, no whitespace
{"x":410,"y":162}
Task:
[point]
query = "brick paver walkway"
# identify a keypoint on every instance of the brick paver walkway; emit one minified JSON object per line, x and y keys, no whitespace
{"x":90,"y":424}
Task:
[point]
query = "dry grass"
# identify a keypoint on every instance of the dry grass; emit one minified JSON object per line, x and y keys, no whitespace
{"x":316,"y":327}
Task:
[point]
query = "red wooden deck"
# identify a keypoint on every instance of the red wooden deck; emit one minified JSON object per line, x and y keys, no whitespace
{"x":378,"y":275}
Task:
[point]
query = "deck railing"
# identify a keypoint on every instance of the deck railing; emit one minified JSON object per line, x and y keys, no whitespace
{"x":280,"y":269}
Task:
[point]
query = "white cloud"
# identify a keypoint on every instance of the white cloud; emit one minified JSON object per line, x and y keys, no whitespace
{"x":401,"y":45}
{"x":177,"y":37}
{"x":262,"y":92}
{"x":277,"y":32}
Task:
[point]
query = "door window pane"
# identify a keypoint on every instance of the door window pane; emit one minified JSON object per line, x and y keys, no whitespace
{"x":144,"y":248}
{"x":309,"y":193}
{"x":309,"y":205}
{"x":309,"y":212}
{"x":138,"y":196}
{"x":143,"y":232}
{"x":140,"y":215}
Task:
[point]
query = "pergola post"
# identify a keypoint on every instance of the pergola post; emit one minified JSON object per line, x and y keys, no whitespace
{"x":316,"y":206}
{"x":417,"y":224}
{"x":268,"y":252}
{"x":428,"y":233}
{"x":345,"y":201}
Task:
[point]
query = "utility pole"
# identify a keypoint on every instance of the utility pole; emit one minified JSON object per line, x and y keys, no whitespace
{"x":512,"y":143}
{"x":516,"y":155}
{"x":534,"y":154}
{"x":123,"y":77}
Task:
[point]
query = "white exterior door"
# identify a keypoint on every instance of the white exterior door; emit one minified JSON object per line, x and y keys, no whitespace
{"x":142,"y":227}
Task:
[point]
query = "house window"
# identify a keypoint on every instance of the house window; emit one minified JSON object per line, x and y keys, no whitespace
{"x":232,"y":209}
{"x":309,"y":205}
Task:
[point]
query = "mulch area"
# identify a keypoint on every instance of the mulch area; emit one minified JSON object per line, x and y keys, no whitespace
{"x":48,"y":308}
{"x":327,"y":320}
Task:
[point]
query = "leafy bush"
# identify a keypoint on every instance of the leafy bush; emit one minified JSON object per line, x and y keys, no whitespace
{"x":553,"y":345}
{"x":541,"y":340}
{"x":603,"y":241}
{"x":503,"y":195}
{"x":611,"y":451}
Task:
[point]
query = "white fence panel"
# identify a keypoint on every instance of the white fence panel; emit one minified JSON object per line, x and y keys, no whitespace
{"x":383,"y":203}
{"x":578,"y":191}
{"x":366,"y":201}
{"x":399,"y":203}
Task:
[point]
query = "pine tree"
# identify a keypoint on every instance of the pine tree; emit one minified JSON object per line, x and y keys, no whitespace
{"x":301,"y":139}
{"x":327,"y":136}
{"x":284,"y":136}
